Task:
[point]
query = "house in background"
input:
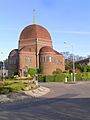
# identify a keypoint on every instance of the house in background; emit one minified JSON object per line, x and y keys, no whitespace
{"x":83,"y":62}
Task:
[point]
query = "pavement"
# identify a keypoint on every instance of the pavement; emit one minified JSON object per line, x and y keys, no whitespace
{"x":38,"y":92}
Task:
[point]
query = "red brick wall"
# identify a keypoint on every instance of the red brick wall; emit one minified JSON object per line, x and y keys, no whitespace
{"x":48,"y":67}
{"x":29,"y":49}
{"x":13,"y":62}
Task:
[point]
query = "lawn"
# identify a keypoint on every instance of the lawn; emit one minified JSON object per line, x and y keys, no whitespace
{"x":9,"y":86}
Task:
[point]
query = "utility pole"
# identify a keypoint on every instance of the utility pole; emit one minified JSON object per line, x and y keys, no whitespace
{"x":73,"y":64}
{"x":36,"y":75}
{"x":3,"y":68}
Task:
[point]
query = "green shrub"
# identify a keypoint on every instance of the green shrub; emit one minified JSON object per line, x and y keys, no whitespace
{"x":61,"y":77}
{"x":15,"y":86}
{"x":58,"y":71}
{"x":56,"y":78}
{"x":5,"y":90}
{"x":26,"y":78}
{"x":40,"y":77}
{"x":39,"y":70}
{"x":31,"y":71}
{"x":88,"y":75}
{"x":8,"y":82}
{"x":50,"y":78}
{"x":83,"y":76}
{"x":79,"y":77}
{"x":83,"y":68}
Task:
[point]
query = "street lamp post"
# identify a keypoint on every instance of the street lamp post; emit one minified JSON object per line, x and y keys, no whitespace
{"x":3,"y":73}
{"x":36,"y":75}
{"x":73,"y":64}
{"x":74,"y":68}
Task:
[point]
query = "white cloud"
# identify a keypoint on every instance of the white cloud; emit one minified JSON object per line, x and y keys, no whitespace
{"x":70,"y":32}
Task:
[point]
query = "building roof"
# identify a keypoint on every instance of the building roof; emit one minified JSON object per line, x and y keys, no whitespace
{"x":34,"y":31}
{"x":48,"y":49}
{"x":13,"y":52}
{"x":58,"y":53}
{"x":86,"y":60}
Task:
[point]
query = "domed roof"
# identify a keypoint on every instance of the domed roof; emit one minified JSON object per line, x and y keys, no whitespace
{"x":46,"y":49}
{"x":35,"y":31}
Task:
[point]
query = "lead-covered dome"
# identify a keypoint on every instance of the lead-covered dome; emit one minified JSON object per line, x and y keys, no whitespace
{"x":35,"y":31}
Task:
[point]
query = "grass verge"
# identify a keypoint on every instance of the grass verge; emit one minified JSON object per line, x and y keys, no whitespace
{"x":9,"y":86}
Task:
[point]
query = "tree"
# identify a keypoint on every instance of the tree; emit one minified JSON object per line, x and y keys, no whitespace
{"x":83,"y":68}
{"x":31,"y":71}
{"x":68,"y":64}
{"x":58,"y":71}
{"x":88,"y":68}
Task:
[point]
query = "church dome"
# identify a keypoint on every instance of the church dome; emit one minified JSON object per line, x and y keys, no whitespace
{"x":33,"y":32}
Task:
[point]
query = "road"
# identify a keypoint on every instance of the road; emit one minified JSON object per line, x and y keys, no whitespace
{"x":63,"y":102}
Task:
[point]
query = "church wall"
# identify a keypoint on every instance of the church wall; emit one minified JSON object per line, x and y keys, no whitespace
{"x":27,"y":59}
{"x":50,"y":62}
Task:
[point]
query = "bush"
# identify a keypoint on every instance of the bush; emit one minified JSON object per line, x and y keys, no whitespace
{"x":15,"y":86}
{"x":61,"y":77}
{"x":5,"y":90}
{"x":25,"y":78}
{"x":31,"y":71}
{"x":78,"y":77}
{"x":50,"y":78}
{"x":39,"y":70}
{"x":83,"y":76}
{"x":83,"y":68}
{"x":40,"y":77}
{"x":56,"y":78}
{"x":58,"y":71}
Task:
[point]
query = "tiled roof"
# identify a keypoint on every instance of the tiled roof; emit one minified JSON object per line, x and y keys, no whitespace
{"x":35,"y":31}
{"x":46,"y":49}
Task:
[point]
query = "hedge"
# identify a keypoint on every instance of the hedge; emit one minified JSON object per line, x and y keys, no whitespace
{"x":83,"y":76}
{"x":56,"y":78}
{"x":61,"y":77}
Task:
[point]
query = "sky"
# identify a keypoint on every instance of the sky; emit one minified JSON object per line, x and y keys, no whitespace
{"x":66,"y":20}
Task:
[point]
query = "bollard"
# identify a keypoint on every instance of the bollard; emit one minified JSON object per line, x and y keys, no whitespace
{"x":65,"y":79}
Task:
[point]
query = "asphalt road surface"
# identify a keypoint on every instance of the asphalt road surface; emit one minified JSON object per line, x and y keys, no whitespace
{"x":63,"y":102}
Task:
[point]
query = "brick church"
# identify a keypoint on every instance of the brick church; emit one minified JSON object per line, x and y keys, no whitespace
{"x":35,"y":50}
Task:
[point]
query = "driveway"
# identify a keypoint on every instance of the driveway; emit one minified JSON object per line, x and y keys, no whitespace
{"x":63,"y":102}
